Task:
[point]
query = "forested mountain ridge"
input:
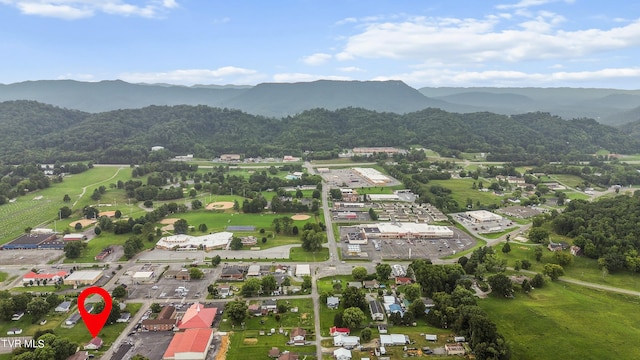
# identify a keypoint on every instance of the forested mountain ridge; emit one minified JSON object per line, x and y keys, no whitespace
{"x":608,"y":106}
{"x":126,"y":136}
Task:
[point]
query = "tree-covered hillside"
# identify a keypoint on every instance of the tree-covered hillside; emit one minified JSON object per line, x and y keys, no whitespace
{"x":43,"y":133}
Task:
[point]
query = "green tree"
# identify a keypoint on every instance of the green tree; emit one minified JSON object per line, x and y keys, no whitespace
{"x":354,"y":297}
{"x":78,"y":226}
{"x":538,"y":253}
{"x":236,"y":243}
{"x":114,"y":315}
{"x":501,"y":285}
{"x":97,"y":230}
{"x":119,"y":292}
{"x":181,"y":226}
{"x":237,"y":311}
{"x":65,"y":212}
{"x":139,"y":357}
{"x":352,"y":317}
{"x":383,"y":271}
{"x":553,"y":271}
{"x":526,"y":286}
{"x":417,"y":308}
{"x":359,"y":273}
{"x":537,"y":281}
{"x":539,"y":235}
{"x":366,"y":334}
{"x":412,"y":292}
{"x":37,"y":307}
{"x":337,"y":320}
{"x":195,"y":273}
{"x":117,"y":214}
{"x":251,"y":287}
{"x":66,"y":198}
{"x":215,"y":261}
{"x":268,"y":284}
{"x":562,"y":258}
{"x":372,"y":214}
{"x":506,"y":248}
{"x":306,"y":282}
{"x":156,"y":308}
{"x":73,"y":249}
{"x":203,"y":228}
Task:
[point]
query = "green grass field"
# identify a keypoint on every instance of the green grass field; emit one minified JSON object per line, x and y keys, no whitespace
{"x":249,"y":344}
{"x":562,"y":321}
{"x":462,"y":190}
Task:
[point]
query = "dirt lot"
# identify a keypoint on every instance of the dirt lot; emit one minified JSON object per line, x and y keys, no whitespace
{"x":29,"y":257}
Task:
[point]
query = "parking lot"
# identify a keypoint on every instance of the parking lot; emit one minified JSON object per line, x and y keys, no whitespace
{"x":349,"y":178}
{"x":390,"y":249}
{"x":162,"y":288}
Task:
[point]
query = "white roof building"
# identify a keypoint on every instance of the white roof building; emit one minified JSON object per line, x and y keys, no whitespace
{"x":383,"y":197}
{"x":303,"y":270}
{"x":342,"y":354}
{"x":483,"y":216}
{"x":83,"y":277}
{"x":184,"y":242}
{"x":406,"y":230}
{"x":142,"y":276}
{"x":373,"y":176}
{"x":393,"y":339}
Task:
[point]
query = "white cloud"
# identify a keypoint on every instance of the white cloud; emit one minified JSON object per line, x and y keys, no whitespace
{"x":490,"y":39}
{"x":223,"y":75}
{"x":77,"y":9}
{"x":301,"y":77}
{"x":350,"y":69}
{"x":529,"y":3}
{"x":316,"y":59}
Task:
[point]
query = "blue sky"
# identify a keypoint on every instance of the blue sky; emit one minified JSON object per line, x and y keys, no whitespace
{"x":544,"y":43}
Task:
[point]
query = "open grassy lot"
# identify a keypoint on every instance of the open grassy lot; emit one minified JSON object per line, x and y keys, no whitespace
{"x":299,"y":255}
{"x":568,"y":322}
{"x":249,"y":344}
{"x":582,"y":268}
{"x":3,"y":276}
{"x":462,"y":190}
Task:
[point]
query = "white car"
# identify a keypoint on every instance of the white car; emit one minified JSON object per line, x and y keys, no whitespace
{"x":154,"y":287}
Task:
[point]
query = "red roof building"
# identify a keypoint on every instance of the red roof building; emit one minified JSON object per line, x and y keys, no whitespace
{"x":190,"y":344}
{"x":335,"y":331}
{"x":94,"y":344}
{"x":403,"y":281}
{"x":197,"y":316}
{"x":31,"y":276}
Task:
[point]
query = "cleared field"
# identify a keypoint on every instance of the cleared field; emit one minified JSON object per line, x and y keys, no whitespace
{"x":462,"y":190}
{"x":568,"y":322}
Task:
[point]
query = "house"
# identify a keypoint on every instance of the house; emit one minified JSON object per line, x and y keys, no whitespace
{"x":190,"y":344}
{"x":428,"y":303}
{"x":274,"y":352}
{"x":355,"y":284}
{"x":345,"y":341}
{"x":333,"y":302}
{"x":342,"y":354}
{"x":335,"y":331}
{"x":403,"y":281}
{"x":14,"y":331}
{"x":124,"y":317}
{"x":65,"y":306}
{"x":454,"y":349}
{"x":376,"y":309}
{"x":80,"y":355}
{"x":269,"y":306}
{"x":232,"y":273}
{"x":575,"y":250}
{"x":165,"y":321}
{"x":197,"y":316}
{"x":17,"y":316}
{"x":94,"y":344}
{"x":287,"y":355}
{"x":382,"y":328}
{"x":255,"y":310}
{"x":224,"y":291}
{"x":297,"y":336}
{"x":373,"y":284}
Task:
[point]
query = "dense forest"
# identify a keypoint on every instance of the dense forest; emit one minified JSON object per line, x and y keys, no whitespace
{"x":45,"y":134}
{"x":606,"y":230}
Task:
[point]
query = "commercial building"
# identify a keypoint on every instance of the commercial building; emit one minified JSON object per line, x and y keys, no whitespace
{"x":483,"y":216}
{"x":198,"y":316}
{"x":33,"y":278}
{"x":303,"y":270}
{"x":373,"y":176}
{"x":183,"y":242}
{"x":35,"y":240}
{"x":165,"y":321}
{"x":83,"y":277}
{"x":405,"y":230}
{"x":192,"y":344}
{"x":74,"y":237}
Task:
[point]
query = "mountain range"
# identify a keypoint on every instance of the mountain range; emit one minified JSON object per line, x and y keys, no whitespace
{"x":607,"y":106}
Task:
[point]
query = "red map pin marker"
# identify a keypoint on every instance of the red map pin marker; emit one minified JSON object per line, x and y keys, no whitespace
{"x":94,"y":322}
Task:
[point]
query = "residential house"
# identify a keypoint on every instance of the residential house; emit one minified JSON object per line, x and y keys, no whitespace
{"x":297,"y":336}
{"x":94,"y":344}
{"x":124,"y":317}
{"x":377,"y":310}
{"x":355,"y":284}
{"x":224,"y":291}
{"x":342,"y":354}
{"x":575,"y":250}
{"x":287,"y":355}
{"x":557,"y":246}
{"x":348,"y":342}
{"x":269,"y":306}
{"x":335,"y":331}
{"x":274,"y":352}
{"x":403,"y":281}
{"x":80,"y":355}
{"x":333,"y":302}
{"x":255,"y":310}
{"x":369,"y":285}
{"x":65,"y":306}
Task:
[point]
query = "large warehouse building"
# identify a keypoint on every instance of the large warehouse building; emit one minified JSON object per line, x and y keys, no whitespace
{"x":482,"y":216}
{"x":83,"y":277}
{"x":184,"y":242}
{"x":405,"y":230}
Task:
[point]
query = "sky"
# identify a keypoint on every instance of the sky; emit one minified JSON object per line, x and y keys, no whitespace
{"x":425,"y":43}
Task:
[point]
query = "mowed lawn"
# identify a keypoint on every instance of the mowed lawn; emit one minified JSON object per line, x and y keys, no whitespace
{"x":461,"y":190}
{"x":562,"y":321}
